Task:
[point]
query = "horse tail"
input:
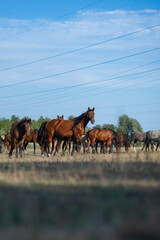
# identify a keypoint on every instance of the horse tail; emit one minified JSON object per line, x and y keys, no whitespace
{"x":116,"y":137}
{"x":41,"y":133}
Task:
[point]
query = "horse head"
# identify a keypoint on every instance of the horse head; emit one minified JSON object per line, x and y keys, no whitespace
{"x":60,"y":118}
{"x":90,"y":115}
{"x":27,"y":126}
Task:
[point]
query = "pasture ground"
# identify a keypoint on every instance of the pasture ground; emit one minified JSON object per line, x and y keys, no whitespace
{"x":91,"y":196}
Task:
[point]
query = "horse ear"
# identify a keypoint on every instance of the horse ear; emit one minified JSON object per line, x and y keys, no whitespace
{"x":93,"y":108}
{"x":57,"y":116}
{"x":88,"y":108}
{"x":62,"y":116}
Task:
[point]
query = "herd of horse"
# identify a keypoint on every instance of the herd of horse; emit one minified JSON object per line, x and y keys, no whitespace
{"x":72,"y":132}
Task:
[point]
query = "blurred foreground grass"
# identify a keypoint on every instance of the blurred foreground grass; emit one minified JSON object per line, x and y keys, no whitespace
{"x":92,"y":196}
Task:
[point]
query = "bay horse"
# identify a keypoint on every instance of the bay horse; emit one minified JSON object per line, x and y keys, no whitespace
{"x":72,"y":130}
{"x":31,"y":138}
{"x":123,"y":140}
{"x":48,"y":134}
{"x":106,"y":136}
{"x":19,"y":131}
{"x":7,"y":141}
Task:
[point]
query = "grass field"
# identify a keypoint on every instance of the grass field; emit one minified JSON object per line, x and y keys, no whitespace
{"x":91,"y":196}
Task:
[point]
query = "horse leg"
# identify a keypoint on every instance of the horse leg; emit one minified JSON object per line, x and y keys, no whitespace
{"x":109,"y":144}
{"x":11,"y":150}
{"x":89,"y":143}
{"x":152,"y":146}
{"x":53,"y":141}
{"x":74,"y":147}
{"x":143,"y":146}
{"x":118,"y":148}
{"x":20,"y":149}
{"x":96,"y":147}
{"x":57,"y":147}
{"x":16,"y":150}
{"x":134,"y":149}
{"x":157,"y":146}
{"x":25,"y":144}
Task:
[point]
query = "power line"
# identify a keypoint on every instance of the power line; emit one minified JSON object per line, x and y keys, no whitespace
{"x":82,"y":68}
{"x":78,"y":49}
{"x":82,"y":84}
{"x":94,"y":94}
{"x":81,"y":92}
{"x":57,"y":18}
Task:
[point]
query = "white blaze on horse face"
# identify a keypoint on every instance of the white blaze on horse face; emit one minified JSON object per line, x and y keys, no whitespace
{"x":134,"y":149}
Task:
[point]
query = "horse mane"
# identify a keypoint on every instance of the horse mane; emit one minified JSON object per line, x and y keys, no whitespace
{"x":79,"y":119}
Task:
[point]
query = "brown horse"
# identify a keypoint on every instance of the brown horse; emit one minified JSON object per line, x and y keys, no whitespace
{"x":123,"y":140}
{"x":19,"y":131}
{"x":31,"y":138}
{"x":7,"y":141}
{"x":48,"y":134}
{"x":68,"y":130}
{"x":106,"y":136}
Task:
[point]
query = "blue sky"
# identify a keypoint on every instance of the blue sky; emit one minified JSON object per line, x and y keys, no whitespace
{"x":116,"y":77}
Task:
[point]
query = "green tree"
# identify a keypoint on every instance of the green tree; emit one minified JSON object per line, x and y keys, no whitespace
{"x":97,"y":126}
{"x":110,"y":126}
{"x":41,"y":120}
{"x":87,"y":129}
{"x":14,"y":118}
{"x":5,"y":126}
{"x":127,"y":125}
{"x":71,"y":117}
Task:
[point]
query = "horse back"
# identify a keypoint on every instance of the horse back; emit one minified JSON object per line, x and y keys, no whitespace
{"x":64,"y":128}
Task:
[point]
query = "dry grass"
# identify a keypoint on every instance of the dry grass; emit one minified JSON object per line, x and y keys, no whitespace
{"x":92,"y":196}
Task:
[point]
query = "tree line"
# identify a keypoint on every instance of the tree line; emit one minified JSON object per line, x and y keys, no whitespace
{"x":125,"y":124}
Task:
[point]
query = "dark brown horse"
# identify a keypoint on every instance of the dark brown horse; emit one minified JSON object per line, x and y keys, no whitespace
{"x":31,"y":138}
{"x":40,"y":137}
{"x":106,"y":136}
{"x":19,"y":131}
{"x":7,"y":141}
{"x":123,"y":140}
{"x":48,"y":134}
{"x":68,"y":130}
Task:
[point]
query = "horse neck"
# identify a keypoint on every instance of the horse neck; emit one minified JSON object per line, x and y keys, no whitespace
{"x":84,"y":123}
{"x":21,"y":129}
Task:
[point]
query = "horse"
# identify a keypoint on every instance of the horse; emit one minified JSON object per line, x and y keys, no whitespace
{"x":19,"y":131}
{"x":152,"y":137}
{"x":123,"y":139}
{"x":1,"y":143}
{"x":40,"y":137}
{"x":31,"y":138}
{"x":72,"y":130}
{"x":48,"y":134}
{"x":138,"y":137}
{"x":104,"y":135}
{"x":7,"y":141}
